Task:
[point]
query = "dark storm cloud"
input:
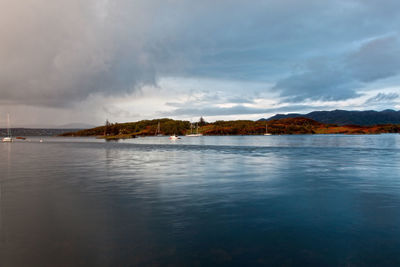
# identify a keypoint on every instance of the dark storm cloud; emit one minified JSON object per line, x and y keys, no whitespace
{"x":340,"y":78}
{"x":377,"y":59}
{"x":322,"y":80}
{"x":54,"y":53}
{"x":58,"y":52}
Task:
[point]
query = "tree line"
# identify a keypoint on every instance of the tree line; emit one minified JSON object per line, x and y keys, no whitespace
{"x":238,"y":127}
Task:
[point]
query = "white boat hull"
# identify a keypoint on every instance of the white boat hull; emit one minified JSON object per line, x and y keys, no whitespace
{"x":7,"y":139}
{"x":194,"y":135}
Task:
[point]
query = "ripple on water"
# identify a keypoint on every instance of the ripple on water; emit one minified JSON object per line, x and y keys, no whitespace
{"x":296,"y":200}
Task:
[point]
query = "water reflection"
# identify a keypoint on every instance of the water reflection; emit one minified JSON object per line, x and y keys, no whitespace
{"x":204,"y":201}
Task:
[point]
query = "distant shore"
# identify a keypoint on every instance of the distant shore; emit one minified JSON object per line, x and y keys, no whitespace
{"x":37,"y":131}
{"x":287,"y":126}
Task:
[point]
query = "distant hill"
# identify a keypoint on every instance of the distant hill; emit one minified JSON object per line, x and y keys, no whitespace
{"x":344,"y":117}
{"x":76,"y":125}
{"x":35,"y":131}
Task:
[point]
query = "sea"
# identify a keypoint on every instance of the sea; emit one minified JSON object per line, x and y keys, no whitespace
{"x":290,"y":200}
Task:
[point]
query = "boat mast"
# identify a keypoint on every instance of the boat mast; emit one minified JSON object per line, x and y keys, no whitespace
{"x":8,"y":125}
{"x":158,"y":129}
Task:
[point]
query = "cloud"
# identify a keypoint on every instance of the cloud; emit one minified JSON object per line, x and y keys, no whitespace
{"x":60,"y":53}
{"x":235,"y":110}
{"x":329,"y":78}
{"x":377,"y":59}
{"x":50,"y":51}
{"x":321,"y":80}
{"x":383,"y":98}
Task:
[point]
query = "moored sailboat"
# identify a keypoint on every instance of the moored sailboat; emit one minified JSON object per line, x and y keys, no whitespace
{"x":8,"y":138}
{"x":266,"y":130}
{"x":197,"y":134}
{"x":158,"y":131}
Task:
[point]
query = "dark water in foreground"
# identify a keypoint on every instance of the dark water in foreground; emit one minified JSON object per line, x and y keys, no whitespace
{"x":242,"y":201}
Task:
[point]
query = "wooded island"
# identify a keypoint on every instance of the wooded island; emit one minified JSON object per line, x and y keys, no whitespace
{"x":238,"y":127}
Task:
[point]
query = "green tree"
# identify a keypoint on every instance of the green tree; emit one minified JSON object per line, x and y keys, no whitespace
{"x":107,"y":128}
{"x":202,"y":122}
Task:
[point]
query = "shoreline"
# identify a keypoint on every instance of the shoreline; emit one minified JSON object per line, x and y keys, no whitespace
{"x":292,"y":126}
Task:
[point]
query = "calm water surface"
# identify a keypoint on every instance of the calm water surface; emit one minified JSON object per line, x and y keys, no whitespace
{"x":228,"y":201}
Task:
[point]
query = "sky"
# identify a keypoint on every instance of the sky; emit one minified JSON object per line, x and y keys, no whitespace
{"x":69,"y":61}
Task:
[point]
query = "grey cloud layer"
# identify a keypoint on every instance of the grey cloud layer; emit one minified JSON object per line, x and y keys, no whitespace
{"x":55,"y":53}
{"x":332,"y":78}
{"x":382,"y":98}
{"x":237,"y":110}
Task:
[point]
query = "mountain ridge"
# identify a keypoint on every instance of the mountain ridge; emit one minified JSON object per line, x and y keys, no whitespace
{"x":346,"y":117}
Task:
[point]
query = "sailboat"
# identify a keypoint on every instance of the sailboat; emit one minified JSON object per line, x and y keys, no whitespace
{"x":266,"y":130}
{"x":197,"y":134}
{"x":158,"y":132}
{"x":8,"y":138}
